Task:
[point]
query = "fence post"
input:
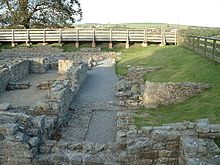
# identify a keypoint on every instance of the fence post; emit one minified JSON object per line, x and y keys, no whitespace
{"x":213,"y":49}
{"x":205,"y":51}
{"x":44,"y":37}
{"x":12,"y":38}
{"x":110,"y":39}
{"x":193,"y":43}
{"x":127,"y":41}
{"x":163,"y":39}
{"x":77,"y":38}
{"x":182,"y":40}
{"x":175,"y":38}
{"x":93,"y":40}
{"x":28,"y":38}
{"x":198,"y":44}
{"x":60,"y":36}
{"x":144,"y":44}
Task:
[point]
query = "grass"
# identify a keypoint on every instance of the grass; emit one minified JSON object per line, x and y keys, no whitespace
{"x":70,"y":47}
{"x":5,"y":46}
{"x":217,"y":141}
{"x":133,"y":25}
{"x":180,"y":65}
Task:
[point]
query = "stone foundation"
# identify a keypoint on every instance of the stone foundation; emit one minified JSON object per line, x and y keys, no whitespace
{"x":24,"y":129}
{"x":176,"y":143}
{"x":156,"y":94}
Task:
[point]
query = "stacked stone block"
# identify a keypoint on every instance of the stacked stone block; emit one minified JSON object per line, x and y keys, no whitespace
{"x":15,"y":71}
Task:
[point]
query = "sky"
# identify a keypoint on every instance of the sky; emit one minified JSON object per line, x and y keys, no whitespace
{"x":187,"y":12}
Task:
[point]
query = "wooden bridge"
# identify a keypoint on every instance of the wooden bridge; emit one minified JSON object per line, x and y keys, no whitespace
{"x":144,"y":36}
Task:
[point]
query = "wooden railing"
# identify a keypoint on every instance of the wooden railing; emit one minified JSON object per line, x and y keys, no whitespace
{"x":93,"y":35}
{"x":206,"y":46}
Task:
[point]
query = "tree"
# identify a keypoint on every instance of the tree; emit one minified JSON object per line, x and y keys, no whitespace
{"x":39,"y":13}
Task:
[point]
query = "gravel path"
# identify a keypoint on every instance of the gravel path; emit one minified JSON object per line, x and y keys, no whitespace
{"x":99,"y":85}
{"x":95,"y":119}
{"x":102,"y":127}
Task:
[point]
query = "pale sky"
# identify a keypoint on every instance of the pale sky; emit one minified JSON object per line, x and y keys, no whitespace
{"x":187,"y":12}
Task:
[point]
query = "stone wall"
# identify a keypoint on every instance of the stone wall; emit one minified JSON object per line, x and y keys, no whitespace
{"x":39,"y":65}
{"x":184,"y":143}
{"x":61,"y":94}
{"x":13,"y":71}
{"x":156,"y":94}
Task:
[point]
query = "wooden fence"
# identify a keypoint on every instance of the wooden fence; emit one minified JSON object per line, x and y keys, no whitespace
{"x":88,"y":35}
{"x":206,"y":46}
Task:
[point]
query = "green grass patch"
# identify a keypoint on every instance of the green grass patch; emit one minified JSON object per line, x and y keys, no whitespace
{"x":5,"y":46}
{"x":180,"y":65}
{"x":117,"y":47}
{"x":217,"y":141}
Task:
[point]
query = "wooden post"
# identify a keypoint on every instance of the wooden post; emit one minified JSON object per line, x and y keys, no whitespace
{"x":205,"y":51}
{"x":44,"y":39}
{"x":193,"y":43}
{"x":163,"y":39}
{"x":93,"y":40}
{"x":12,"y":38}
{"x":127,"y":41}
{"x":60,"y":36}
{"x":213,"y":49}
{"x":28,"y":38}
{"x":144,"y":44}
{"x":175,"y":38}
{"x":198,"y":44}
{"x":77,"y":38}
{"x":110,"y":39}
{"x":180,"y":40}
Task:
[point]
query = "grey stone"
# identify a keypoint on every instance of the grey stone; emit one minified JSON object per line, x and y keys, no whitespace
{"x":4,"y":106}
{"x":147,"y":130}
{"x":215,"y":128}
{"x":135,"y":89}
{"x":177,"y":126}
{"x":18,"y":85}
{"x":39,"y":121}
{"x":121,"y":85}
{"x":34,"y":141}
{"x":202,"y":126}
{"x":9,"y":129}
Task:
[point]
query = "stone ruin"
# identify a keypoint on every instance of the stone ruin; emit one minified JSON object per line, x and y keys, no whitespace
{"x":37,"y":87}
{"x":28,"y":130}
{"x":25,"y":127}
{"x":183,"y":143}
{"x":132,"y":90}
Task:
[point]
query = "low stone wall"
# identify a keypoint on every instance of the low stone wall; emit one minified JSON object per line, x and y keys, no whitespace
{"x":39,"y":65}
{"x":54,"y":54}
{"x":176,"y":144}
{"x":130,"y":88}
{"x":156,"y":94}
{"x":13,"y":71}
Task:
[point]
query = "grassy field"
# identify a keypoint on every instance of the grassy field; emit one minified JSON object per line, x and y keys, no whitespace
{"x":134,"y":25}
{"x":180,"y":65}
